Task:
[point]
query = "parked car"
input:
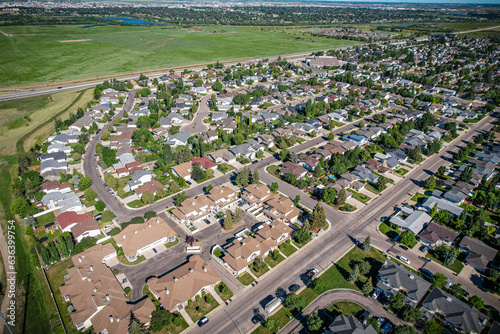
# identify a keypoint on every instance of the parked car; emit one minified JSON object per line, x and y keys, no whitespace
{"x":363,"y":318}
{"x":98,"y":217}
{"x":294,"y":287}
{"x":254,"y":162}
{"x":386,"y":328}
{"x":375,"y":294}
{"x":311,"y":273}
{"x":403,"y":259}
{"x":424,"y":249}
{"x":154,"y":249}
{"x":380,"y":322}
{"x":426,"y":273}
{"x":448,"y":282}
{"x":257,"y":319}
{"x":404,"y":247}
{"x":207,"y":221}
{"x":203,"y":321}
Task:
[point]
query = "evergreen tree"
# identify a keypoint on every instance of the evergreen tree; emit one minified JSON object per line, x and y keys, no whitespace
{"x":353,"y":275}
{"x":318,"y":217}
{"x":228,"y":221}
{"x":430,"y":183}
{"x":366,"y":246}
{"x":368,"y":286}
{"x":341,"y":197}
{"x":255,"y":176}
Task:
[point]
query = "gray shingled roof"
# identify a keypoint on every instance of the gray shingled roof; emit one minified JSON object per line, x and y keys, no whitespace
{"x":349,"y":325}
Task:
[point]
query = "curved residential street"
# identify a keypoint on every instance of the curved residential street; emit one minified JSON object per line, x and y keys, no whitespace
{"x":197,"y":126}
{"x":333,"y":296}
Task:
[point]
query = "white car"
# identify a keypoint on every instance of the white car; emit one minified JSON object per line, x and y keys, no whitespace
{"x":375,"y":294}
{"x":403,"y":259}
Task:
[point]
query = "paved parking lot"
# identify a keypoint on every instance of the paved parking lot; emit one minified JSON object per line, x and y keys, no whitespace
{"x":151,"y":252}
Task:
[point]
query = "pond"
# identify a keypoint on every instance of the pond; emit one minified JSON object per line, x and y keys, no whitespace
{"x":132,"y":21}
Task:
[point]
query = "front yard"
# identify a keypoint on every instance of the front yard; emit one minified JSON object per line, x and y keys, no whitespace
{"x":388,"y":231}
{"x":419,"y":198}
{"x":272,"y":263}
{"x":172,"y":244}
{"x":457,"y":266}
{"x":245,"y":278}
{"x":204,"y":306}
{"x":287,"y":248}
{"x":223,"y":291}
{"x":360,"y":197}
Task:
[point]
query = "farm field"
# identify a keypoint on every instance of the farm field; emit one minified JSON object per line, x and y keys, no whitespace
{"x":27,"y":118}
{"x":55,"y":53}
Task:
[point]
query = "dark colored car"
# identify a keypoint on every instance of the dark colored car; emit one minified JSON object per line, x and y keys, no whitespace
{"x":203,"y":321}
{"x":426,"y":273}
{"x":364,"y":316}
{"x":257,"y":319}
{"x":404,"y":247}
{"x":255,"y":161}
{"x":293,"y":287}
{"x":98,"y":217}
{"x":386,"y":328}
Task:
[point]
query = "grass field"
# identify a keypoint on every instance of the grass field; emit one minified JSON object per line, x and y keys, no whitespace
{"x":39,"y":109}
{"x":35,"y":54}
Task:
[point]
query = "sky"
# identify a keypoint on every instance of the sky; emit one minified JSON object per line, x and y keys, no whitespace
{"x":477,"y":2}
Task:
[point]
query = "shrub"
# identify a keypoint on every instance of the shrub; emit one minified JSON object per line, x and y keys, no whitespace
{"x":178,"y":320}
{"x":114,"y":231}
{"x":203,"y":294}
{"x":198,"y":298}
{"x":190,"y":303}
{"x":208,"y":300}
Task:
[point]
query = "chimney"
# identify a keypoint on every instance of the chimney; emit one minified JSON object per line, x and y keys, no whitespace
{"x":79,"y":259}
{"x":205,"y":269}
{"x":175,"y":278}
{"x":111,"y":318}
{"x":149,"y":225}
{"x":95,"y":289}
{"x":124,"y":236}
{"x":91,"y":268}
{"x":191,"y":270}
{"x":449,"y":299}
{"x":107,"y":298}
{"x":89,"y":279}
{"x":157,"y":221}
{"x":117,"y":319}
{"x":166,"y":291}
{"x":412,"y":277}
{"x":135,"y":231}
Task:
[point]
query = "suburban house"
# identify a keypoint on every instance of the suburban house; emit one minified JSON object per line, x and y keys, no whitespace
{"x":255,"y":194}
{"x":308,"y":162}
{"x":394,"y":277}
{"x":151,"y":186}
{"x":183,"y":170}
{"x":174,"y":289}
{"x":222,"y":156}
{"x":136,"y":239}
{"x":348,"y":325}
{"x":239,"y":254}
{"x":434,"y":235}
{"x":51,"y":186}
{"x":479,"y":255}
{"x":454,"y":312}
{"x":205,"y":163}
{"x":96,"y":296}
{"x":289,"y":167}
{"x":223,"y":197}
{"x":64,"y":201}
{"x":281,"y":208}
{"x":178,"y":139}
{"x":139,"y":178}
{"x":194,"y":209}
{"x":413,"y":220}
{"x":442,"y":204}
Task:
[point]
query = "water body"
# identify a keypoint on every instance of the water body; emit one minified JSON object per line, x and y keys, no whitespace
{"x":132,"y":21}
{"x":95,"y":25}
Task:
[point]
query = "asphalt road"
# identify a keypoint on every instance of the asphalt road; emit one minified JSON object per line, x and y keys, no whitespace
{"x":197,"y":126}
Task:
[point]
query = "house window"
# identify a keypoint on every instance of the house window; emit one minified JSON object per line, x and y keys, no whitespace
{"x":79,"y":325}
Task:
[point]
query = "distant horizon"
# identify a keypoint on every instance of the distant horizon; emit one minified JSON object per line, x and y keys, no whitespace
{"x":405,"y":2}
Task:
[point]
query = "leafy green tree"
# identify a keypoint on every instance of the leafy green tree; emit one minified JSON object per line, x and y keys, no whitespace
{"x":107,"y":216}
{"x":450,"y":258}
{"x":269,"y":324}
{"x":197,"y":173}
{"x":238,"y":215}
{"x":160,"y":193}
{"x":228,"y":221}
{"x":411,"y":314}
{"x":136,"y":327}
{"x":396,"y":302}
{"x":174,"y":187}
{"x":457,"y":291}
{"x":341,"y":197}
{"x":439,"y":280}
{"x":318,"y":285}
{"x":381,"y":183}
{"x":314,"y":322}
{"x":366,"y":246}
{"x":408,"y":238}
{"x":149,"y":215}
{"x":302,"y":236}
{"x":217,"y":86}
{"x":433,"y":327}
{"x":160,"y":318}
{"x":294,"y":302}
{"x":477,"y":302}
{"x":441,"y":171}
{"x":147,"y":197}
{"x":255,"y":176}
{"x":99,"y":205}
{"x":274,"y":187}
{"x":179,"y":198}
{"x":331,"y":136}
{"x":404,"y":330}
{"x":368,"y":286}
{"x":90,"y":194}
{"x":430,"y":183}
{"x":296,"y":200}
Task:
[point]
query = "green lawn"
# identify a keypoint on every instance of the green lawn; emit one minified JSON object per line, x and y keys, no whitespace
{"x":136,"y":204}
{"x":273,"y":170}
{"x":224,"y":296}
{"x":245,"y":278}
{"x":419,"y":198}
{"x":360,"y":197}
{"x":131,"y":48}
{"x":346,"y":308}
{"x":457,"y":266}
{"x":172,"y":329}
{"x":172,"y":244}
{"x":388,"y":231}
{"x":300,"y":245}
{"x":45,"y":219}
{"x":272,"y":263}
{"x":262,"y":271}
{"x":199,"y":309}
{"x":124,"y":260}
{"x":287,"y":249}
{"x":372,"y":189}
{"x":281,"y":318}
{"x":402,"y":171}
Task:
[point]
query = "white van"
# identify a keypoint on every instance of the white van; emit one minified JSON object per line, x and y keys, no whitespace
{"x":273,"y":304}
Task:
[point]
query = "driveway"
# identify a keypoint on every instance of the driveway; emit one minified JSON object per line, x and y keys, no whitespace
{"x":333,"y":296}
{"x":197,"y":126}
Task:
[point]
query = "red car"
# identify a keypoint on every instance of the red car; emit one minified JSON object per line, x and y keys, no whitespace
{"x":314,"y":198}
